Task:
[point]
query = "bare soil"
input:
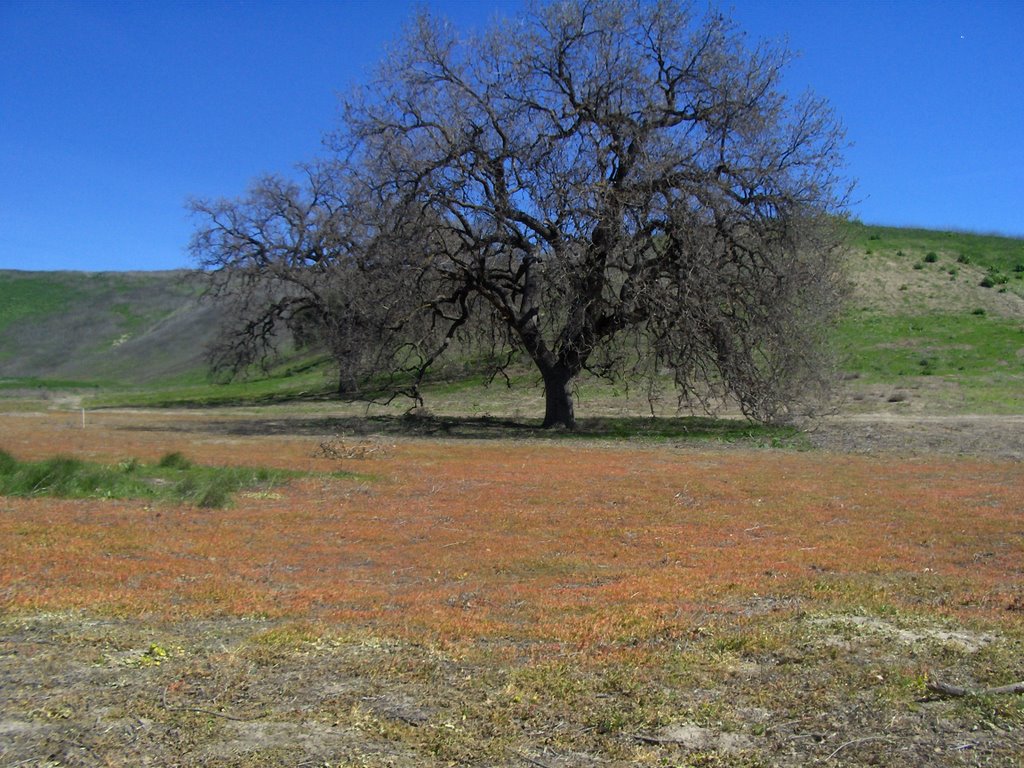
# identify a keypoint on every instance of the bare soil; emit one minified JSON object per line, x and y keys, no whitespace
{"x":918,"y":434}
{"x":87,"y":691}
{"x":890,"y":284}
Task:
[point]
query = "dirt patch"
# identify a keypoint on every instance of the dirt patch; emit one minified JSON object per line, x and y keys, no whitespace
{"x":223,"y":696}
{"x":891,"y":284}
{"x":961,"y":640}
{"x":984,"y":436}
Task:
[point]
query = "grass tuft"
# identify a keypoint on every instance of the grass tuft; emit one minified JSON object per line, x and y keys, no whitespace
{"x":7,"y":463}
{"x":173,"y":479}
{"x":174,"y":460}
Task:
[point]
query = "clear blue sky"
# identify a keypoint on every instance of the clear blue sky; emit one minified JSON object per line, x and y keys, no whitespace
{"x":113,"y":113}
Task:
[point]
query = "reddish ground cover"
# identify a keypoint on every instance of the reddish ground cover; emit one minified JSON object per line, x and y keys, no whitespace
{"x":593,"y":545}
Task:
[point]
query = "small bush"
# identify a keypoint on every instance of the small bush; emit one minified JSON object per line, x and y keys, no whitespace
{"x":918,"y":265}
{"x":1018,"y":268}
{"x":963,"y":258}
{"x":994,"y":278}
{"x":60,"y":475}
{"x":129,"y":465}
{"x":215,"y":493}
{"x":979,"y":312}
{"x":931,"y":257}
{"x":174,"y":460}
{"x":205,"y":491}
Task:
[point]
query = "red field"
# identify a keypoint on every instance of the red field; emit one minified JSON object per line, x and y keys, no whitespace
{"x":545,"y":540}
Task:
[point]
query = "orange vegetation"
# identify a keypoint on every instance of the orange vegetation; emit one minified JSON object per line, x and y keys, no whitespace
{"x":588,"y":544}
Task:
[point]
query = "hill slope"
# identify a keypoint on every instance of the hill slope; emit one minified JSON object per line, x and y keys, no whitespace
{"x":935,"y":321}
{"x":122,"y":328}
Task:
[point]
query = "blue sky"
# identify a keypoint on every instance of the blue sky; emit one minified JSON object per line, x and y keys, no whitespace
{"x":112,"y":114}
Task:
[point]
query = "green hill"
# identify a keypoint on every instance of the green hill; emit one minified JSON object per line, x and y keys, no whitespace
{"x":935,"y":324}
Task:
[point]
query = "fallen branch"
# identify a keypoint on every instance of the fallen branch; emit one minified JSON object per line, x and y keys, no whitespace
{"x":200,"y":710}
{"x":645,"y":739}
{"x":854,"y":742}
{"x":945,"y":689}
{"x":528,"y":759}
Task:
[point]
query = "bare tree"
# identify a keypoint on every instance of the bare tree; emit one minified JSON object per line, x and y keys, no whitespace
{"x":291,"y":263}
{"x":609,"y":185}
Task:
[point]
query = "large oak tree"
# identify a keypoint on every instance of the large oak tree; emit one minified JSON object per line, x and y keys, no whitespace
{"x":613,"y":186}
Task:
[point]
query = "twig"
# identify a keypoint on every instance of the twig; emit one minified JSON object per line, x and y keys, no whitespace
{"x":841,"y":747}
{"x":652,"y":739}
{"x":202,"y":711}
{"x":786,"y":723}
{"x":529,"y":759}
{"x":945,"y":689}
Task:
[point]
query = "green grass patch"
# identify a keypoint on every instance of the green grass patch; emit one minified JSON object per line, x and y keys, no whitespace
{"x":981,"y":354}
{"x":173,"y":479}
{"x":295,"y":380}
{"x":32,"y":382}
{"x":655,"y":430}
{"x":886,"y":347}
{"x":688,"y":428}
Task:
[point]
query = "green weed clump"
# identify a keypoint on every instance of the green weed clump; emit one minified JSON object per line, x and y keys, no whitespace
{"x":59,"y":476}
{"x":174,"y":460}
{"x":173,"y":479}
{"x":7,"y":463}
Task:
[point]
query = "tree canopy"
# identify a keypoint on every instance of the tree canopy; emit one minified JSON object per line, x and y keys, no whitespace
{"x":612,"y":186}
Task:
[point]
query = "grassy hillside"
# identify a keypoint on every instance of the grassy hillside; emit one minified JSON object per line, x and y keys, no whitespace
{"x":936,"y":320}
{"x":935,"y":324}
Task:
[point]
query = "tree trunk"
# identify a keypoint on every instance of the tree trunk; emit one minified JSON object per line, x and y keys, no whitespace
{"x":348,"y":384}
{"x":558,"y":407}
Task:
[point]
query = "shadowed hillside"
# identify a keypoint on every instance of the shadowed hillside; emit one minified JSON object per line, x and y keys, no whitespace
{"x":122,"y":328}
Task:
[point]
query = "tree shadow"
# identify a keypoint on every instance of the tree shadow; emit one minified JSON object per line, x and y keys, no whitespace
{"x":683,"y":428}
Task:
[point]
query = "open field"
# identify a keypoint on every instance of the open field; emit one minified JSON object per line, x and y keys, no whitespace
{"x":475,"y":595}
